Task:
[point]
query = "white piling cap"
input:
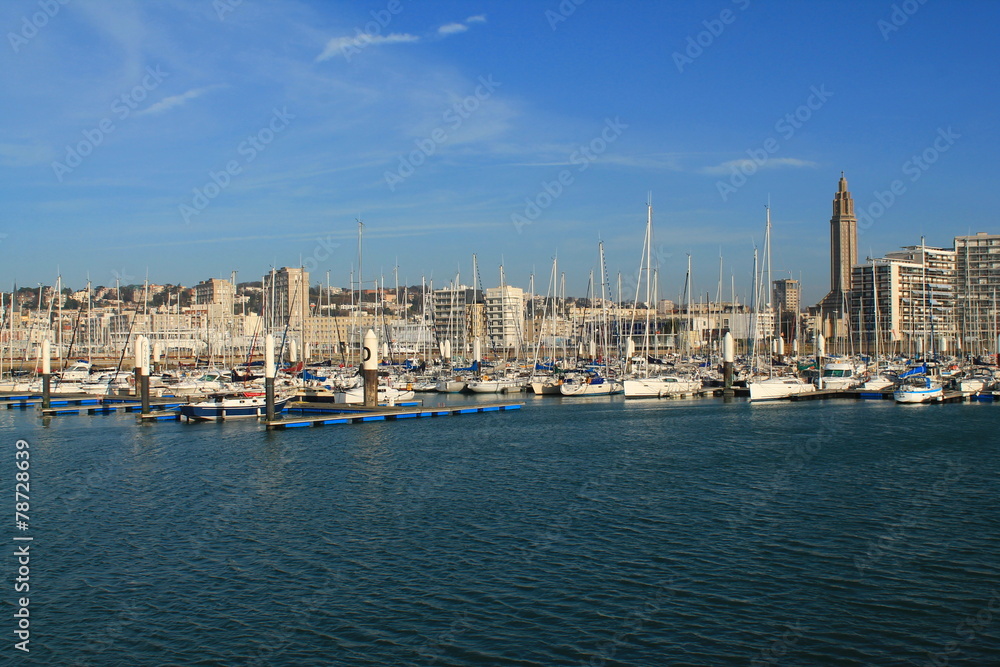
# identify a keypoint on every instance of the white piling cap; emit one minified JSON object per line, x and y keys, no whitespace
{"x":369,"y":360}
{"x":144,"y":359}
{"x":269,"y":356}
{"x":728,"y":348}
{"x":142,"y":354}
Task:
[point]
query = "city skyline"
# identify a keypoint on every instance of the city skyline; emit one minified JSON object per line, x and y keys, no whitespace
{"x":239,"y":136}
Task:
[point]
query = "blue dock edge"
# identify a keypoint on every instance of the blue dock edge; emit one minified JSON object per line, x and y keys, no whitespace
{"x":357,"y":416}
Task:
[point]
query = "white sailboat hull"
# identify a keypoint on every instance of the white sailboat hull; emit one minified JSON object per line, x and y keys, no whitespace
{"x":879,"y":383}
{"x":450,"y":386}
{"x":385,"y":395}
{"x":918,"y":395}
{"x":495,"y":386}
{"x":776,"y":388}
{"x":606,"y":388}
{"x":548,"y":387}
{"x":659,"y":387}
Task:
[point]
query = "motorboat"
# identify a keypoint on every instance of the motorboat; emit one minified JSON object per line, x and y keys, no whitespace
{"x":229,"y":405}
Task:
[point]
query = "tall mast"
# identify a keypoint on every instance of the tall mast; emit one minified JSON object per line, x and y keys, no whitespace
{"x":767,"y":249}
{"x":647,"y":259}
{"x":687,"y":299}
{"x":605,"y":336}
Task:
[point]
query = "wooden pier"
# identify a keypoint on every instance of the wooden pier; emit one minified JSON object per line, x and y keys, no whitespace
{"x":340,"y":413}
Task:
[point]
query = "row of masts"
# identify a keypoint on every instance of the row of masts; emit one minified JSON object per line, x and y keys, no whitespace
{"x":607,"y":333}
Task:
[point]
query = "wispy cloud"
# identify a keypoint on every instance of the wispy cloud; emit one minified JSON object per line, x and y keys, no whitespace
{"x":461,"y":26}
{"x":345,"y":45}
{"x":362,"y":40}
{"x":168,"y":103}
{"x":770,"y":163}
{"x":452,"y":28}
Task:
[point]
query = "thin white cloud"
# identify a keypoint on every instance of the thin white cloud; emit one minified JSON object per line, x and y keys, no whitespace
{"x":462,"y":26}
{"x":770,"y":163}
{"x":345,"y":45}
{"x":168,"y":103}
{"x":452,"y":28}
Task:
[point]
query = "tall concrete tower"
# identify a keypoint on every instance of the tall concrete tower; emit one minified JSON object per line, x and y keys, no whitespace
{"x":843,"y":239}
{"x":843,"y":249}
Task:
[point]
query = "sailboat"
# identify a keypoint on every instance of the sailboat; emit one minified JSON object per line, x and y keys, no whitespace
{"x":771,"y":387}
{"x":545,"y":378}
{"x":644,"y":385}
{"x":589,"y":384}
{"x":916,"y":386}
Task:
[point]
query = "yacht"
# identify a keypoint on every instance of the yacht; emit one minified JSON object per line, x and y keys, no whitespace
{"x":228,"y":405}
{"x":918,"y":388}
{"x":778,"y":387}
{"x":659,"y":386}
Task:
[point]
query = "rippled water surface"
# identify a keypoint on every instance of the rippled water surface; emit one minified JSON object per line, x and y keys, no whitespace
{"x":574,"y":531}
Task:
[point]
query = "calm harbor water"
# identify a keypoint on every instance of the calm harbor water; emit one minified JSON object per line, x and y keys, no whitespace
{"x":573,"y":532}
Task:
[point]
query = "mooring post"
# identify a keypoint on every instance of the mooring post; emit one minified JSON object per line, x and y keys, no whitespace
{"x":369,"y":368}
{"x":142,"y":371}
{"x":46,"y":374}
{"x":728,"y":358}
{"x":820,"y":353}
{"x":269,"y":377}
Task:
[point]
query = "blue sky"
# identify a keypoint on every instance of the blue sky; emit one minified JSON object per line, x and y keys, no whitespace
{"x":440,"y":123}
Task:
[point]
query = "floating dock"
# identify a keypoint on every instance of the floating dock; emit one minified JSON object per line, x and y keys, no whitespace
{"x":949,"y":396}
{"x":334,"y":413}
{"x":73,"y":404}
